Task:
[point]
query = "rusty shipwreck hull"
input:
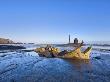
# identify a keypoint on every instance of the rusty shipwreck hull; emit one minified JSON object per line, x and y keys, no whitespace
{"x":55,"y":52}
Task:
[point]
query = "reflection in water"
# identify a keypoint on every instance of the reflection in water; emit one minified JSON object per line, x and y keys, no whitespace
{"x":78,"y":63}
{"x":81,"y":67}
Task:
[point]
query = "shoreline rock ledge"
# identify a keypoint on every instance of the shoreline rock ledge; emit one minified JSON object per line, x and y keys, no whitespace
{"x":6,"y":44}
{"x":5,"y":41}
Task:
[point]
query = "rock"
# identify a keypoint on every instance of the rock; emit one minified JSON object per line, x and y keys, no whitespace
{"x":5,"y":41}
{"x":97,"y":57}
{"x":11,"y":47}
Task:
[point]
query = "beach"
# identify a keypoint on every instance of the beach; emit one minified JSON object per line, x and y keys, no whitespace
{"x":23,"y":66}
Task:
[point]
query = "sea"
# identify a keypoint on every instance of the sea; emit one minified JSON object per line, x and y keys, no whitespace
{"x":25,"y":65}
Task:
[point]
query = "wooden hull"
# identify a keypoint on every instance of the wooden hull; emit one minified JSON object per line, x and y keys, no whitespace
{"x":77,"y":54}
{"x":74,"y":54}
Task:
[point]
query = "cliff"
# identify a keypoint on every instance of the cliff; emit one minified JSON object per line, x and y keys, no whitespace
{"x":5,"y":41}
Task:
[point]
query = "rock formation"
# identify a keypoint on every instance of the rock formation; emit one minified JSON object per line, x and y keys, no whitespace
{"x":5,"y":41}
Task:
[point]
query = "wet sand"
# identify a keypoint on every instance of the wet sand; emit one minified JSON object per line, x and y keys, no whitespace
{"x":25,"y":67}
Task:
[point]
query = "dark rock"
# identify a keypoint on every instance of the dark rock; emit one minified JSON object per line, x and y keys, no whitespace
{"x":5,"y":41}
{"x":11,"y":47}
{"x":98,"y":57}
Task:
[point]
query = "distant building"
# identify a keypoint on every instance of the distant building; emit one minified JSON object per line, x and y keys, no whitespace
{"x":82,"y":42}
{"x":75,"y":41}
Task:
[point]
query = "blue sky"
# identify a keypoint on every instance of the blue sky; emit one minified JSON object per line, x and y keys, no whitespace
{"x":44,"y":21}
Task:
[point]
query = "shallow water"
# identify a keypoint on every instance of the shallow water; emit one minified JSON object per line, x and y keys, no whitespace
{"x":20,"y":66}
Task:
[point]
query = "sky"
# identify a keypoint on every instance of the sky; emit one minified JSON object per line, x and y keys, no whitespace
{"x":51,"y":21}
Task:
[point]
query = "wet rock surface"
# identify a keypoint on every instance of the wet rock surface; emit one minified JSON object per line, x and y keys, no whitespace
{"x":11,"y":47}
{"x":29,"y":67}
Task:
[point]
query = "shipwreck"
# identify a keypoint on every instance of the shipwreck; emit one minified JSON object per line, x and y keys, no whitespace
{"x":76,"y":53}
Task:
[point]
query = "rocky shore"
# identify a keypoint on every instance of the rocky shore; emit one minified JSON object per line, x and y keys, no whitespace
{"x":11,"y":47}
{"x":5,"y":41}
{"x":6,"y":44}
